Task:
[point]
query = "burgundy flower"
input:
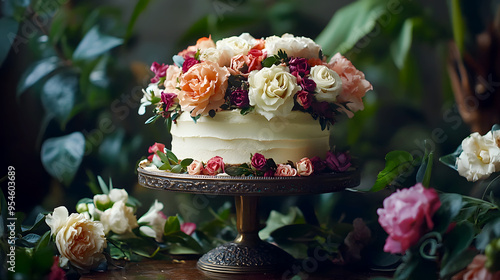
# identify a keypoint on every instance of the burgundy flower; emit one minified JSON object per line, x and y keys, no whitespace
{"x":338,"y":162}
{"x":269,"y":173}
{"x":56,"y":272}
{"x":168,"y":99}
{"x":159,"y":70}
{"x":299,"y":66}
{"x":319,"y":165}
{"x":322,"y":109}
{"x":308,"y":84}
{"x":188,"y":63}
{"x":239,"y":98}
{"x":188,"y":228}
{"x":304,"y":99}
{"x":258,"y":161}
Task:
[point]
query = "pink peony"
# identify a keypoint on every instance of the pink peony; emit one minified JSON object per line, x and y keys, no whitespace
{"x":285,"y":170}
{"x":477,"y":271}
{"x":153,"y":149}
{"x":338,"y":162}
{"x":159,"y":70}
{"x":258,"y":161}
{"x":214,"y":166}
{"x":354,"y":84}
{"x":195,"y":168}
{"x":304,"y":167}
{"x":188,"y":228}
{"x":203,"y":88}
{"x":407,"y":215}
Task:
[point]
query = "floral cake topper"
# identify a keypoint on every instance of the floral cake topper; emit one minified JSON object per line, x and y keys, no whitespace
{"x":271,"y":76}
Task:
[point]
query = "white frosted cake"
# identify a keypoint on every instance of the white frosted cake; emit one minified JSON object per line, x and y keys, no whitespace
{"x":263,"y":105}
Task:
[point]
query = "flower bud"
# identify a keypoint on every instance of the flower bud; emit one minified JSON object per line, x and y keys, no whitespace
{"x":102,"y":201}
{"x":82,"y":207}
{"x":492,"y":252}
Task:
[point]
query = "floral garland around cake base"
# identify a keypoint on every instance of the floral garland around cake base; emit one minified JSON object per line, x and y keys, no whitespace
{"x":162,"y":158}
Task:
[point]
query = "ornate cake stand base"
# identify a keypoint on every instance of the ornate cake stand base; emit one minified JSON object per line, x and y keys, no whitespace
{"x":248,"y":253}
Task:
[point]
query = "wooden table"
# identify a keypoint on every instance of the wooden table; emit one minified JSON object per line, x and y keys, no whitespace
{"x":187,"y":270}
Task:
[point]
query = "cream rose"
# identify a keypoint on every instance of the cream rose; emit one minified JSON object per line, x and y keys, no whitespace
{"x":293,"y":46}
{"x":480,"y":157}
{"x":328,"y":83}
{"x":272,"y":90}
{"x":155,"y":222}
{"x":195,"y":168}
{"x":304,"y":167}
{"x":203,"y":88}
{"x":221,"y":57}
{"x":285,"y":170}
{"x":119,"y":219}
{"x":236,"y":45}
{"x":77,"y":239}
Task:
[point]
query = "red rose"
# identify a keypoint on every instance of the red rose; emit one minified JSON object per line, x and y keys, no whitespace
{"x":258,"y":161}
{"x":153,"y":149}
{"x":214,"y":166}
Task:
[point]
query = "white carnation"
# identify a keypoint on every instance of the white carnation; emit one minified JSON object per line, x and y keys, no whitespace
{"x":480,"y":157}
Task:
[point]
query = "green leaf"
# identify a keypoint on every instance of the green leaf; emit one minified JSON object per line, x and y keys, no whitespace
{"x":138,"y":9}
{"x":186,"y":162}
{"x":171,"y":156}
{"x":102,"y":185}
{"x":94,"y":44}
{"x":172,"y":225}
{"x":277,"y":220}
{"x":451,"y":204}
{"x":152,"y":119}
{"x":295,"y":232}
{"x":457,"y":263}
{"x":425,"y":169}
{"x":8,"y":29}
{"x":489,"y":232}
{"x":451,"y":159}
{"x":59,"y":94}
{"x":349,"y":25}
{"x":164,"y":159}
{"x":40,"y":219}
{"x":396,"y":164}
{"x":401,"y":46}
{"x":61,"y":156}
{"x":37,"y":71}
{"x":455,"y":243}
{"x":176,"y":168}
{"x":44,"y":241}
{"x":458,"y":24}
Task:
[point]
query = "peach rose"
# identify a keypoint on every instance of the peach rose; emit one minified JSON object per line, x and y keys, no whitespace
{"x":354,"y":84}
{"x":195,"y":168}
{"x":203,"y":88}
{"x":239,"y":65}
{"x":171,"y":79}
{"x":476,"y":271}
{"x":285,"y":170}
{"x":304,"y":167}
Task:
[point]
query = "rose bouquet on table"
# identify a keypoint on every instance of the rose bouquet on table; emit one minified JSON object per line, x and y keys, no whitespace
{"x":443,"y":235}
{"x":270,"y":76}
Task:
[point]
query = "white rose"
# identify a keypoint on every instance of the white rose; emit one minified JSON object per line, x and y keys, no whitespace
{"x":119,"y":219}
{"x":293,"y":46}
{"x":78,"y":240}
{"x":118,"y":194}
{"x":236,"y":45}
{"x":328,"y":83}
{"x":155,"y":222}
{"x":480,"y":157}
{"x":221,"y":57}
{"x":272,"y":90}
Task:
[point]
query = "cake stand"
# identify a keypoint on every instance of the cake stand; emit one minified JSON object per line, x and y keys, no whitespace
{"x":247,"y":253}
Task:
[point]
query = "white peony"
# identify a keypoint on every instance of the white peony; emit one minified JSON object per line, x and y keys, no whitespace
{"x":328,"y":83}
{"x":118,"y":195}
{"x":119,"y":219}
{"x":78,"y":239}
{"x":155,"y":222}
{"x":480,"y":157}
{"x":293,"y":46}
{"x":272,"y":91}
{"x":236,"y":45}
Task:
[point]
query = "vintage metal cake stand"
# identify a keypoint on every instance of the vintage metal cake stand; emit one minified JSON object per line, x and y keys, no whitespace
{"x":247,"y":253}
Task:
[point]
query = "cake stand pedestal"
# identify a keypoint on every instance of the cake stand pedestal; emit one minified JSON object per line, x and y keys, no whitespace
{"x":247,"y":253}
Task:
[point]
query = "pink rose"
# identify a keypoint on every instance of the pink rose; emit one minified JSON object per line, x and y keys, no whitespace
{"x":188,"y":228}
{"x":195,"y":168}
{"x":239,"y":65}
{"x":477,"y":271}
{"x":255,"y":57}
{"x":285,"y":170}
{"x":214,"y":166}
{"x":304,"y":99}
{"x":354,"y":84}
{"x":258,"y":161}
{"x":171,"y":79}
{"x":304,"y":167}
{"x":338,"y":162}
{"x":203,"y":88}
{"x":155,"y":148}
{"x":407,"y":215}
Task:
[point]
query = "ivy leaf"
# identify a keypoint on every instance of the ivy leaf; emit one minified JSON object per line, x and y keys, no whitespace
{"x":94,"y":44}
{"x":61,"y":156}
{"x":59,"y":94}
{"x":396,"y":164}
{"x":37,"y":71}
{"x":8,"y":27}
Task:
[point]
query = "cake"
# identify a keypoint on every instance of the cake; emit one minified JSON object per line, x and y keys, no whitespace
{"x":263,"y":105}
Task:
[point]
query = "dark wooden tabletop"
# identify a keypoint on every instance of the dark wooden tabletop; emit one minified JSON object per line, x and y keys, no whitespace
{"x":187,"y":270}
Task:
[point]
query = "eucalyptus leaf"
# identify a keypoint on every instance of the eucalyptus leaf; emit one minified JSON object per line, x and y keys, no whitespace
{"x":61,"y":156}
{"x":37,"y":71}
{"x":58,"y":95}
{"x":8,"y":29}
{"x":401,"y":46}
{"x":396,"y":164}
{"x":94,"y":44}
